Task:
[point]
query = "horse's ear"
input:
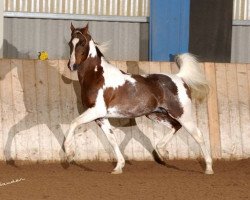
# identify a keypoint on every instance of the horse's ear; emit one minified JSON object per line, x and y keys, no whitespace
{"x":72,"y":27}
{"x":87,"y":26}
{"x":85,"y":30}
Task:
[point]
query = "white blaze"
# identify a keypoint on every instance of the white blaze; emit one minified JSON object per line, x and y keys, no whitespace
{"x":73,"y":55}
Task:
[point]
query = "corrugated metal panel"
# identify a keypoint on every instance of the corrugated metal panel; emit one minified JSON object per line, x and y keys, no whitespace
{"x":240,"y":44}
{"x":86,"y":7}
{"x":241,"y":10}
{"x":24,"y":38}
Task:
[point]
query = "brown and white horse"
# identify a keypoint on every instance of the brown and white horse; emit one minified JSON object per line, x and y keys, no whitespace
{"x":108,"y":92}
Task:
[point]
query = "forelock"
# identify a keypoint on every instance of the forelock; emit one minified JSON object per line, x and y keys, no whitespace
{"x":78,"y":34}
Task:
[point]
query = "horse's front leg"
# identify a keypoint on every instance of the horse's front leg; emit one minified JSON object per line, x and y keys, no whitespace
{"x":89,"y":115}
{"x":106,"y":127}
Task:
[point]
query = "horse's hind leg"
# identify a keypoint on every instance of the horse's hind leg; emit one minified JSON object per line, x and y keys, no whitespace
{"x":191,"y":127}
{"x":106,"y":127}
{"x":174,"y":125}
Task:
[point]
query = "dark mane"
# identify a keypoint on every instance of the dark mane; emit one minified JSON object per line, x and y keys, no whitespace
{"x":99,"y":53}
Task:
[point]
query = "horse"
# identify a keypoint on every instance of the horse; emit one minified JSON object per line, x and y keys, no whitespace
{"x":108,"y":92}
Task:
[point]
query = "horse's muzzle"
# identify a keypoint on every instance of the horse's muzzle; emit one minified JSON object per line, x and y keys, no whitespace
{"x":72,"y":67}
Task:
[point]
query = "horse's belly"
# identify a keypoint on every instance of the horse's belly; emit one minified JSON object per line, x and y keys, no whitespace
{"x":130,"y":110}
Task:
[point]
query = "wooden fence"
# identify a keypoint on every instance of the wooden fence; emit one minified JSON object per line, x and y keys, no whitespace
{"x":38,"y":100}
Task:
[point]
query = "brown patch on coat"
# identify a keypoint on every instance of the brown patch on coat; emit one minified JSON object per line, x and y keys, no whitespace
{"x":147,"y":95}
{"x":91,"y":81}
{"x":169,"y":99}
{"x":164,"y":116}
{"x":131,"y":100}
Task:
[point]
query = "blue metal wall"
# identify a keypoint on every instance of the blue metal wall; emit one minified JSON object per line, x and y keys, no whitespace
{"x":169,"y":28}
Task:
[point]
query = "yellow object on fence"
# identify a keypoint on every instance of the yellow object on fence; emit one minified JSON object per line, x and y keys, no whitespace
{"x":43,"y":55}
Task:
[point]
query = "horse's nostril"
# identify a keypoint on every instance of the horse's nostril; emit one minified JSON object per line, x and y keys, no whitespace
{"x":75,"y":66}
{"x":72,"y":67}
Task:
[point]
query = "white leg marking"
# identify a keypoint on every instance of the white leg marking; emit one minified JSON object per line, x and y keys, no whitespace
{"x":197,"y":135}
{"x":99,"y":111}
{"x":73,"y":55}
{"x":161,"y":145}
{"x":88,"y":116}
{"x":106,"y":127}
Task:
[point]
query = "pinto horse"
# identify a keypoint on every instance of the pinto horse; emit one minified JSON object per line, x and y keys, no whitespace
{"x":108,"y":92}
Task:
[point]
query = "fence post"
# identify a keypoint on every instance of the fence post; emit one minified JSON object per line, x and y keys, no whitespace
{"x":213,"y":112}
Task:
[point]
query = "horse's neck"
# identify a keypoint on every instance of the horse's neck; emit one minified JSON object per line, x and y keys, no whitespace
{"x":95,"y":58}
{"x":89,"y":66}
{"x":95,"y":53}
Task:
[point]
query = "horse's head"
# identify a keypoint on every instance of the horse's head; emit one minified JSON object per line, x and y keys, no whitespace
{"x":79,"y":46}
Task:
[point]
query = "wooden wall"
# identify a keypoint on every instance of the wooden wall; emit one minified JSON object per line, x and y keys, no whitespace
{"x":38,"y":100}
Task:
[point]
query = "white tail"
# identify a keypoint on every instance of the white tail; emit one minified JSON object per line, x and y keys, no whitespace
{"x":191,"y":73}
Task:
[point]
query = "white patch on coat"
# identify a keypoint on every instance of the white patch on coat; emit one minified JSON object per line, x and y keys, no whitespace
{"x":114,"y":112}
{"x":98,"y":111}
{"x":113,"y":77}
{"x":92,"y":49}
{"x":100,"y":105}
{"x":184,"y":99}
{"x":96,"y":68}
{"x":73,"y":55}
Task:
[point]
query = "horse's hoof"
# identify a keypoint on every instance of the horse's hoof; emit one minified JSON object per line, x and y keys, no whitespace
{"x":117,"y":171}
{"x":162,"y":154}
{"x":209,"y":172}
{"x":70,"y":157}
{"x":10,"y":162}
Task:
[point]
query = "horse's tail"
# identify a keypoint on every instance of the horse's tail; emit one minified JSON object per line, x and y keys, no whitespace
{"x":191,"y":73}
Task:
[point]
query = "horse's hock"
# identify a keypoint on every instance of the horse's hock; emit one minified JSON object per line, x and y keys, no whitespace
{"x":39,"y":99}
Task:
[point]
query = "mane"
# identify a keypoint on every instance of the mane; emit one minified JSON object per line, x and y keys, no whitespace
{"x":103,"y":46}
